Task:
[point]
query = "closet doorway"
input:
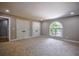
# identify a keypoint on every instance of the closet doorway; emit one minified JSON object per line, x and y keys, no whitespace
{"x":35,"y":29}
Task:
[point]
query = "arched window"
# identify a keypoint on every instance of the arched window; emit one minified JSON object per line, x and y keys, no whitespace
{"x":56,"y":29}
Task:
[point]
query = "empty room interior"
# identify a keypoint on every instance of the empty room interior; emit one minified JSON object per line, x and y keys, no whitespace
{"x":39,"y":28}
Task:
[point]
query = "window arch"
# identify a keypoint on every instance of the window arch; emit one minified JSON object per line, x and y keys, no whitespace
{"x":56,"y":29}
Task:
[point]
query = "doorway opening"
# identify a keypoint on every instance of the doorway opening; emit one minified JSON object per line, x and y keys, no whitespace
{"x":4,"y":29}
{"x":56,"y":29}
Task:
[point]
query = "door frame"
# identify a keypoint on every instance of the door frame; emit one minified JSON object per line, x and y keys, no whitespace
{"x":8,"y":25}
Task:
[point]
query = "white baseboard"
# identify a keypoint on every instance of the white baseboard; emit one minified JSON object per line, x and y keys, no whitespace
{"x":19,"y":39}
{"x":23,"y":38}
{"x":67,"y":40}
{"x":71,"y":41}
{"x":45,"y":36}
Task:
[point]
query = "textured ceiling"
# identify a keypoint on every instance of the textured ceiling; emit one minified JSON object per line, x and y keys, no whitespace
{"x":40,"y":10}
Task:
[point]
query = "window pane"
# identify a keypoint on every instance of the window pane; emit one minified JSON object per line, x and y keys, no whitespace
{"x":56,"y":29}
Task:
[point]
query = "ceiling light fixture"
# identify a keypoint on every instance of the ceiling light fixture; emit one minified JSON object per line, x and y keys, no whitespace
{"x":72,"y":13}
{"x":7,"y":10}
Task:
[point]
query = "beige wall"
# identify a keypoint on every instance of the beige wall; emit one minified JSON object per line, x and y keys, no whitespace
{"x":13,"y":23}
{"x":70,"y":30}
{"x":70,"y":24}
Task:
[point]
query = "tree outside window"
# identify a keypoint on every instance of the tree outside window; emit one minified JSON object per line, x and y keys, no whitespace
{"x":56,"y":29}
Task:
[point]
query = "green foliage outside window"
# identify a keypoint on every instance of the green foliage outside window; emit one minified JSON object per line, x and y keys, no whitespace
{"x":56,"y":29}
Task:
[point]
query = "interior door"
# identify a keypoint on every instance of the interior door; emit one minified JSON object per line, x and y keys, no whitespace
{"x":26,"y":29}
{"x":35,"y":29}
{"x":23,"y":27}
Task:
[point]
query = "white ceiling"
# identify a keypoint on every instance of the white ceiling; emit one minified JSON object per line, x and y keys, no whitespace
{"x":41,"y":10}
